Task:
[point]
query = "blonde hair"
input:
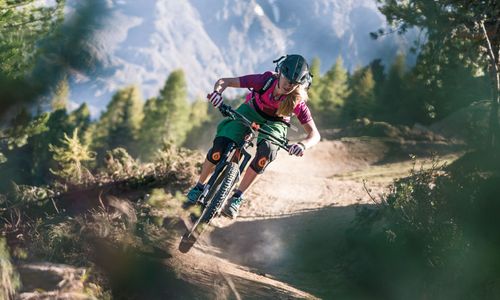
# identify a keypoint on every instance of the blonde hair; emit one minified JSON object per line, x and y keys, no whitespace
{"x":291,"y":100}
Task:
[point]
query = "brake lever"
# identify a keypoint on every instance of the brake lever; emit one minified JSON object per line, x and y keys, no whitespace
{"x":224,"y":110}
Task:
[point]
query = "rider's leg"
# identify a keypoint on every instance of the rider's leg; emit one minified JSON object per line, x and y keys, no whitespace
{"x":206,"y":170}
{"x":266,"y":153}
{"x":213,"y":157}
{"x":248,"y":179}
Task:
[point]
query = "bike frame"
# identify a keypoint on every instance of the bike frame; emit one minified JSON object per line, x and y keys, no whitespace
{"x":233,"y":152}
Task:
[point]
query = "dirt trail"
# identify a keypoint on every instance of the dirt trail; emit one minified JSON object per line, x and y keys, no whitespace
{"x":282,"y":225}
{"x":292,"y":185}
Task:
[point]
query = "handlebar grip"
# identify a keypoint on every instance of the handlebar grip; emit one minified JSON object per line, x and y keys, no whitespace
{"x":225,"y":110}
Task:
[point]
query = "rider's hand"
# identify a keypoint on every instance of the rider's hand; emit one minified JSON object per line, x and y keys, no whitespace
{"x":297,"y":149}
{"x":215,"y":98}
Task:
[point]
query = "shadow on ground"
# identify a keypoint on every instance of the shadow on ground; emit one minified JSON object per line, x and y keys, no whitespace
{"x":304,"y":250}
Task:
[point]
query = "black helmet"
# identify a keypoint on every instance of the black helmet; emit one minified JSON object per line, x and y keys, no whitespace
{"x":295,"y":68}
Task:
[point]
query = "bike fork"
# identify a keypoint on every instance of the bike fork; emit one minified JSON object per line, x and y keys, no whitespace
{"x":246,"y":158}
{"x":218,"y":169}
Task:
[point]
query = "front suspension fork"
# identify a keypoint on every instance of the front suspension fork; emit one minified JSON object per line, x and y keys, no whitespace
{"x":218,"y":168}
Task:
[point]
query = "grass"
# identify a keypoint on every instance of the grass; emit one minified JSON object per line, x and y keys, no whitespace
{"x":9,"y":279}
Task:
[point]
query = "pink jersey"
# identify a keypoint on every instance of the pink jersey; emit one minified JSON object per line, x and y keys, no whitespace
{"x":266,"y":102}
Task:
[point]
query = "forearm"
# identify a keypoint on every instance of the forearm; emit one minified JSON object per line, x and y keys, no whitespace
{"x":313,"y":137}
{"x":223,"y":83}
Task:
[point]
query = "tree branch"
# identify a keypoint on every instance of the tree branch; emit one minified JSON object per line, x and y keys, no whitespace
{"x":491,"y":53}
{"x":27,"y":22}
{"x":10,"y":6}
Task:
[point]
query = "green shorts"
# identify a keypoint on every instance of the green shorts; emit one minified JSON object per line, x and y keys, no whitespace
{"x":236,"y":131}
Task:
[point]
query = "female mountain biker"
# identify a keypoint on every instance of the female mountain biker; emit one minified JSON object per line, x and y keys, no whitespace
{"x":274,"y":97}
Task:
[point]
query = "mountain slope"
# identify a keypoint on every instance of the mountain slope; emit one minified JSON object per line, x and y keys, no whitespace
{"x":142,"y":42}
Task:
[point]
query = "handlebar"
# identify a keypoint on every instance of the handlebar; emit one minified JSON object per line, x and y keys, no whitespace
{"x":228,"y":111}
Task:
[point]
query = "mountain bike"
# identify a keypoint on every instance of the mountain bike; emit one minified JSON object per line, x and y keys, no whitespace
{"x":226,"y":175}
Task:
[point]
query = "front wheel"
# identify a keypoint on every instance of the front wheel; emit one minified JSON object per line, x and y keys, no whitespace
{"x":231,"y":176}
{"x":187,"y":242}
{"x":216,"y":198}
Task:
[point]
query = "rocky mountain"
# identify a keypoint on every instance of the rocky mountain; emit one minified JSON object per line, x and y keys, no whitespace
{"x":141,"y":42}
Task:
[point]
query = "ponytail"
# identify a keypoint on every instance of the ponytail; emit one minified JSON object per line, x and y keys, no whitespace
{"x":292,"y":100}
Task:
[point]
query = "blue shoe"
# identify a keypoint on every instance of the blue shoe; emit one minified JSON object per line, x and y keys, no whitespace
{"x":233,"y":207}
{"x":192,"y":197}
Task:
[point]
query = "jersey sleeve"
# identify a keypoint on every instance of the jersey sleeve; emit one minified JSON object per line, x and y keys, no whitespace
{"x":254,"y":81}
{"x":302,"y":112}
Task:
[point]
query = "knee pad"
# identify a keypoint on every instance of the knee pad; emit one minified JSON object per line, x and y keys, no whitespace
{"x":219,"y":146}
{"x":266,"y":153}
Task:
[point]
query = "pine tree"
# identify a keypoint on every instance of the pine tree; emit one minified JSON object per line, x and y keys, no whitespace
{"x":80,"y":118}
{"x":59,"y":123}
{"x":22,"y":26}
{"x":334,"y":92}
{"x":152,"y":129}
{"x":393,"y":93}
{"x":456,"y":32}
{"x":315,"y":89}
{"x":166,"y":118}
{"x":61,"y":94}
{"x":361,"y":101}
{"x":70,"y":158}
{"x":201,"y":125}
{"x":378,"y":71}
{"x":119,"y":124}
{"x":22,"y":127}
{"x":42,"y":159}
{"x":16,"y":149}
{"x":174,"y":97}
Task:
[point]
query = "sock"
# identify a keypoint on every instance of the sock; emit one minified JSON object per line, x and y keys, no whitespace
{"x":238,"y":194}
{"x":199,"y":186}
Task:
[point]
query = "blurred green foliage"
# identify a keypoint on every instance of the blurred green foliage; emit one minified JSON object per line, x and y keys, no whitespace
{"x":120,"y":123}
{"x":459,"y":38}
{"x":23,"y":23}
{"x":333,"y":90}
{"x":9,"y":279}
{"x":166,"y":117}
{"x":70,"y":158}
{"x":432,"y":236}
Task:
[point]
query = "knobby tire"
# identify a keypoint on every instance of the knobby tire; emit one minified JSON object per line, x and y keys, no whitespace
{"x":216,"y":198}
{"x":231,"y":174}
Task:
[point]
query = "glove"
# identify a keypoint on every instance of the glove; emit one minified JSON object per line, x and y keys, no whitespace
{"x":215,"y":98}
{"x":297,"y":149}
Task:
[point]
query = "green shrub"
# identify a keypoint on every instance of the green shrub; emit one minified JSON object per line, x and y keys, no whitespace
{"x":433,"y":236}
{"x":120,"y":165}
{"x":9,"y":279}
{"x":70,"y":158}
